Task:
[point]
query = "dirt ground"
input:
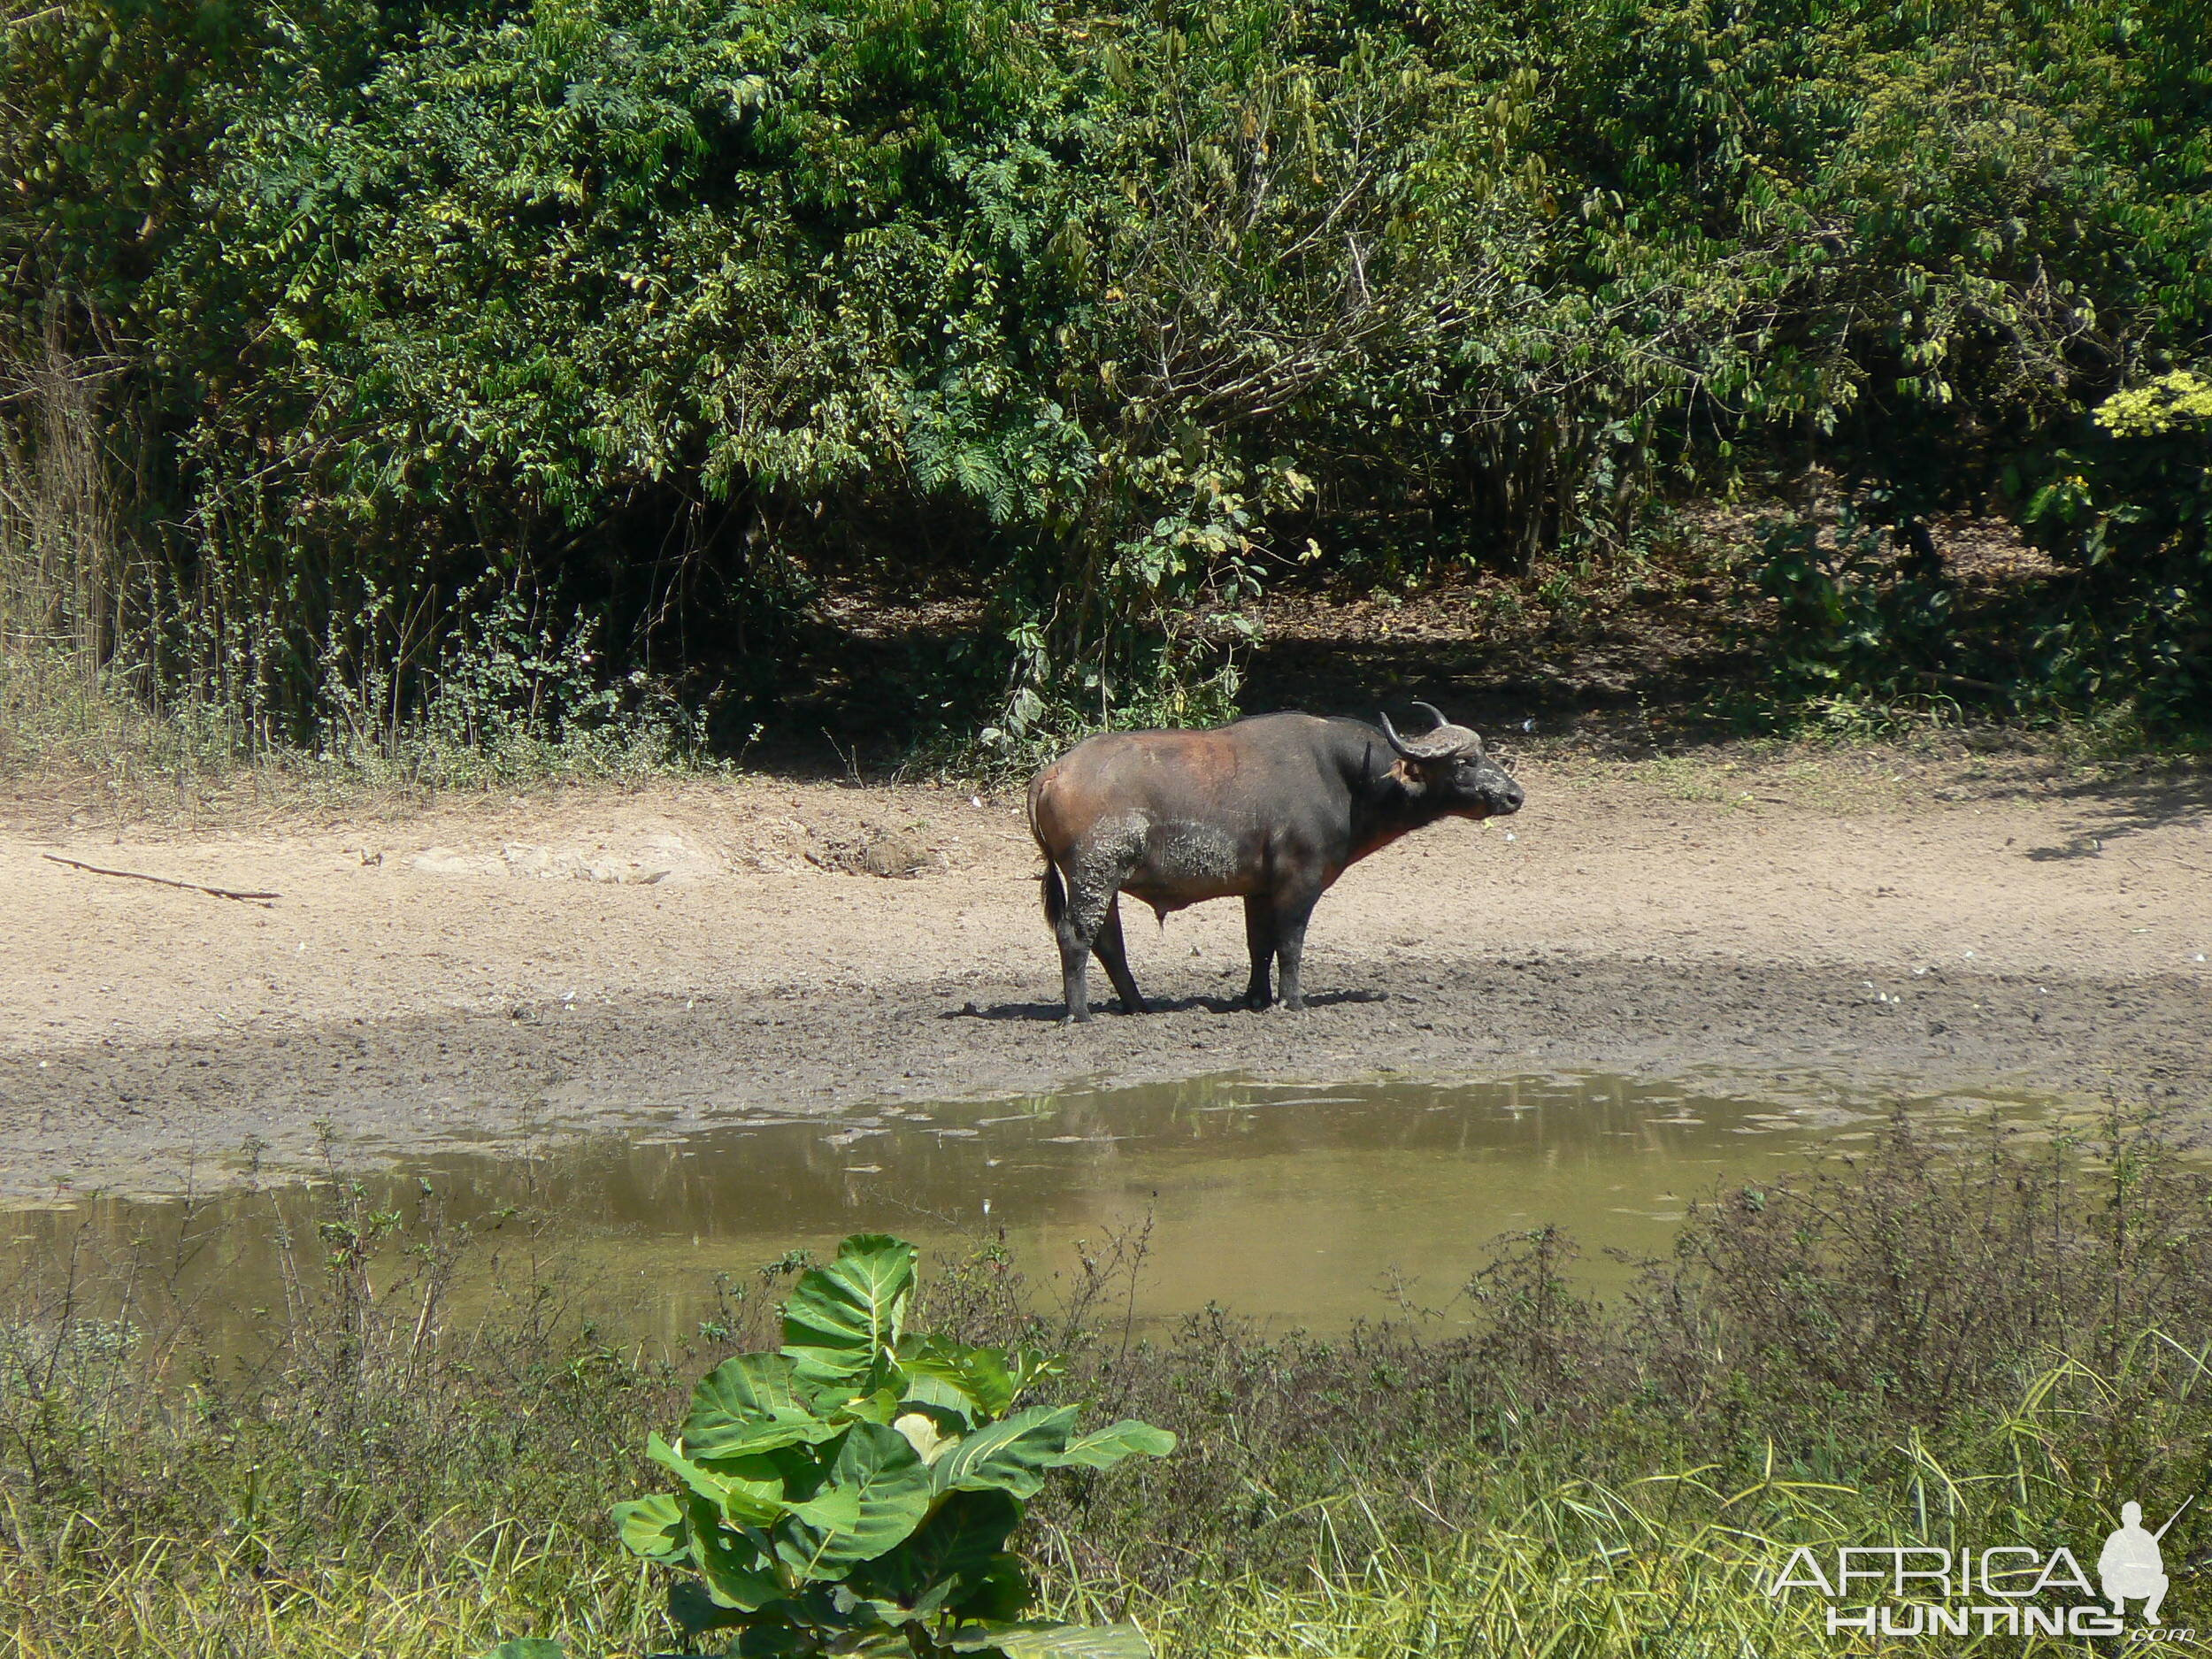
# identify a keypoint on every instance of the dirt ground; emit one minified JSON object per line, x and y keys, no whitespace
{"x":503,"y":968}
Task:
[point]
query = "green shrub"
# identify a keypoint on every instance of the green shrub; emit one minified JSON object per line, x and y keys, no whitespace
{"x":1851,"y":616}
{"x":856,"y":1491}
{"x":699,"y":318}
{"x":2127,"y":508}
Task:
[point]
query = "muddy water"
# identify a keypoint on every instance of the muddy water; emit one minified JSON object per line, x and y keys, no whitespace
{"x":1304,"y":1205}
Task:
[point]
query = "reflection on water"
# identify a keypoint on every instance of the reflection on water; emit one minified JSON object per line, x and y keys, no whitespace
{"x":1296,"y":1203}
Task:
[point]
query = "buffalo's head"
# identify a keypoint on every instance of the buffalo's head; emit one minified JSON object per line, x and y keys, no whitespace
{"x":1454,"y":768}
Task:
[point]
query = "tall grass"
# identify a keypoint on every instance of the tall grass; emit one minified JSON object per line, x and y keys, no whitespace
{"x":128,"y":653}
{"x":64,"y":569}
{"x":1547,"y":1561}
{"x":62,"y":544}
{"x":1995,"y":1344}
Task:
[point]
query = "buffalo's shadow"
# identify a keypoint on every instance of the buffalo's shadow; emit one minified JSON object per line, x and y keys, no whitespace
{"x":1110,"y":1008}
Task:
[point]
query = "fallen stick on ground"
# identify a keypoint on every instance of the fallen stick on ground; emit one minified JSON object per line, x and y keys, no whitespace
{"x":262,"y":899}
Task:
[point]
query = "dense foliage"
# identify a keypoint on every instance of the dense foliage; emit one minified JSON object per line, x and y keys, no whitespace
{"x":425,"y":332}
{"x":2128,"y":509}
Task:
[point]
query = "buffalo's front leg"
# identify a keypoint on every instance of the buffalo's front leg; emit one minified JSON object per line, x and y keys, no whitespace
{"x":1112,"y":952}
{"x":1291,"y":916}
{"x":1259,"y":942}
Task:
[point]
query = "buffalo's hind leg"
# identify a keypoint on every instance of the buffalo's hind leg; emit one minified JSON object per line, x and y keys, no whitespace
{"x":1259,"y":942}
{"x":1115,"y":957}
{"x":1075,"y":961}
{"x":1089,"y":917}
{"x":1291,"y":916}
{"x":1081,"y":927}
{"x":1067,"y":933}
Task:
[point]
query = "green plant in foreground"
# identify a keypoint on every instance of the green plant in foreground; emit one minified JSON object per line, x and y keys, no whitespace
{"x":854,"y":1493}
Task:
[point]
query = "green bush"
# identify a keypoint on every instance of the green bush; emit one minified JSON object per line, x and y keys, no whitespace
{"x":856,"y":1491}
{"x":1850,"y":616}
{"x":2128,"y":510}
{"x":691,"y":317}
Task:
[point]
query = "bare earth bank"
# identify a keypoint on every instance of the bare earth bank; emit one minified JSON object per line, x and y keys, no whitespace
{"x":499,"y":969}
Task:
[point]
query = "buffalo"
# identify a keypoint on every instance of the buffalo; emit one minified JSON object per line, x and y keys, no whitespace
{"x":1270,"y":810}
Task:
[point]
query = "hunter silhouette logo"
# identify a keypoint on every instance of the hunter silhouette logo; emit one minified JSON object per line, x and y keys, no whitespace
{"x":2003,"y":1589}
{"x":2131,"y":1565}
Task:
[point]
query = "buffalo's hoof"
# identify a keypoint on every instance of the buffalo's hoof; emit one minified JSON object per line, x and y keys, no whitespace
{"x":1083,"y":1018}
{"x":1139,"y":1006}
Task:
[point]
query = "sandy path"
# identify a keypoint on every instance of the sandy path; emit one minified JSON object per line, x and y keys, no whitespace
{"x":462,"y":968}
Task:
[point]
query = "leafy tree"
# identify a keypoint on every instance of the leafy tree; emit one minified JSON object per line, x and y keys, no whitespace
{"x":652,"y":324}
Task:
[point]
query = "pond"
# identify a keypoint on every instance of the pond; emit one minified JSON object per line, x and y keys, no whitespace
{"x":1302,"y":1205}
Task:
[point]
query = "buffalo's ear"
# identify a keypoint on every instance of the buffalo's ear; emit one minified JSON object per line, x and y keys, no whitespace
{"x":1380,"y":765}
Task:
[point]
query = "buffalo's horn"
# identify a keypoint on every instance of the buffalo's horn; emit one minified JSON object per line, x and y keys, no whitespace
{"x":1440,"y":743}
{"x":1396,"y":742}
{"x":1466,"y":741}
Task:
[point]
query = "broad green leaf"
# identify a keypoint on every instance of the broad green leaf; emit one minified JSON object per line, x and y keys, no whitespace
{"x":879,"y":1407}
{"x":882,"y":1644}
{"x":772,"y":1641}
{"x":527,"y":1647}
{"x":858,"y":1609}
{"x":691,"y":1609}
{"x":843,"y":1319}
{"x":1012,"y":1455}
{"x":752,"y":1488}
{"x":737,"y":1574}
{"x":883,"y":1492}
{"x":947,"y":1401}
{"x":1074,"y":1641}
{"x":949,"y":1554}
{"x":750,"y":1404}
{"x":831,"y":1509}
{"x":748,"y":1491}
{"x":1001,"y":1591}
{"x":652,"y":1527}
{"x":750,"y":1386}
{"x":978,"y":1375}
{"x":694,"y":1476}
{"x":1103,"y":1448}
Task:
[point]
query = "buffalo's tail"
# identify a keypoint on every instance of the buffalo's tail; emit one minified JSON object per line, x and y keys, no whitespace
{"x":1052,"y":888}
{"x":1056,"y":894}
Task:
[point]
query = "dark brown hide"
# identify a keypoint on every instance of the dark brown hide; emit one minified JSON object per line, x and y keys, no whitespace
{"x":1270,"y":810}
